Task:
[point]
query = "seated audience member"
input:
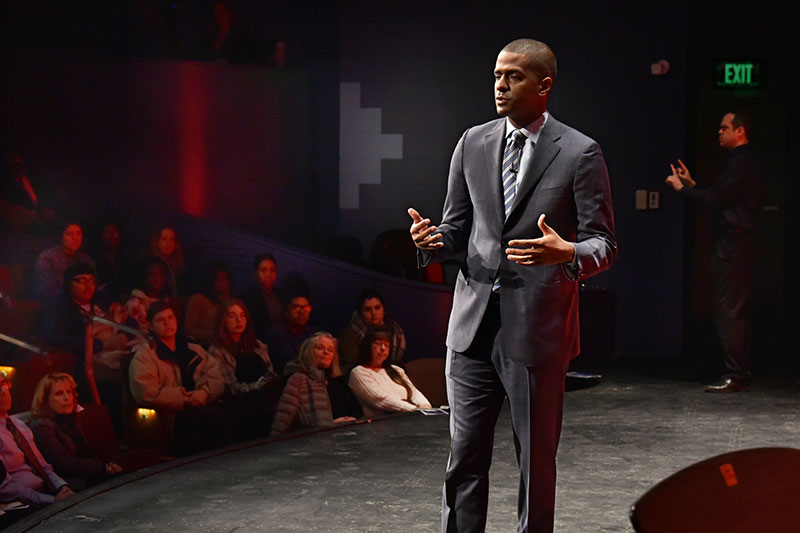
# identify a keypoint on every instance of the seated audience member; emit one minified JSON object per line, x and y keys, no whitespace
{"x":380,"y":386}
{"x":180,"y":378}
{"x":64,"y":323}
{"x":154,"y":279}
{"x":133,"y":311}
{"x":165,"y":246}
{"x":305,"y":401}
{"x":369,"y":313}
{"x":48,"y":270}
{"x":261,"y":300}
{"x":203,"y":307}
{"x":252,"y":387}
{"x":285,"y":337}
{"x":116,"y":270}
{"x":59,"y":435}
{"x":29,"y":478}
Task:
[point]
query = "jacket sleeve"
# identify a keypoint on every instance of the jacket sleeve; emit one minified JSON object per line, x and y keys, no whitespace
{"x":145,"y":382}
{"x":596,"y":243}
{"x":288,"y":404}
{"x":208,"y":375}
{"x":11,"y":491}
{"x":726,"y":190}
{"x":45,"y":281}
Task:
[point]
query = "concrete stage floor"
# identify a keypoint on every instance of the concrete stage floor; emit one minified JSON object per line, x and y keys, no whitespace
{"x":621,"y":436}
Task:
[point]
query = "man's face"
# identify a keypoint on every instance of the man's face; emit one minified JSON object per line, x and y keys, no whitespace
{"x":71,"y":239}
{"x":164,"y":325}
{"x":728,"y":135}
{"x":81,"y":289}
{"x":519,"y":94}
{"x":298,"y":311}
{"x":372,"y":312}
{"x":5,"y":397}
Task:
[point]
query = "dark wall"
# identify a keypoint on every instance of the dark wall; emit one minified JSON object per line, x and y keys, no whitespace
{"x":219,"y":141}
{"x":425,"y":71}
{"x":429,"y":69}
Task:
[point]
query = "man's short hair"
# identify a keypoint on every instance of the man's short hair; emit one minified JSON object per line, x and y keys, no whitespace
{"x":78,"y":269}
{"x":263,"y":257}
{"x":541,"y":57}
{"x":156,"y":307}
{"x":741,"y":119}
{"x":367,"y":294}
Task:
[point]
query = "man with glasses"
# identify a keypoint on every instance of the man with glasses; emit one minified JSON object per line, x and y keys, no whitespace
{"x":284,"y":338}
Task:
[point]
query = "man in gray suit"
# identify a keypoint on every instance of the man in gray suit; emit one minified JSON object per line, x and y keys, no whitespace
{"x":528,"y":211}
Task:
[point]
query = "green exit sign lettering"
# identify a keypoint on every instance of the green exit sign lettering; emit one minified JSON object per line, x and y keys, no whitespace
{"x":738,"y":74}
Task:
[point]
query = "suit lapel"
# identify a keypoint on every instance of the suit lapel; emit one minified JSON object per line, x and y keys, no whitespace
{"x":544,"y":152}
{"x":493,"y":145}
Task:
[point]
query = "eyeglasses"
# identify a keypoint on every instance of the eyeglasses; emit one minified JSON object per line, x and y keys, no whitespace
{"x":298,"y":307}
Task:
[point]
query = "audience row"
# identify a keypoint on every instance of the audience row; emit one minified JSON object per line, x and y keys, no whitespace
{"x":219,"y":369}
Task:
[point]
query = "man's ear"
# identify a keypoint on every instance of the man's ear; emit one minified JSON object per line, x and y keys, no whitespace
{"x":545,"y":85}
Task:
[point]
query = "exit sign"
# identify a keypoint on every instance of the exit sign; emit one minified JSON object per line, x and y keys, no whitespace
{"x":738,"y":74}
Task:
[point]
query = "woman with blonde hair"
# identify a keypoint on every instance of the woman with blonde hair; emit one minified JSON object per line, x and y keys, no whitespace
{"x":59,"y":436}
{"x":306,"y":401}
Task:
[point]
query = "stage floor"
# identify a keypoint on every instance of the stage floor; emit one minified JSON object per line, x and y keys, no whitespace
{"x":620,"y":437}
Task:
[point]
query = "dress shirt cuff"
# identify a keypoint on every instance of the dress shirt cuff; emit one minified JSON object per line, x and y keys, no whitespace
{"x":571,"y":269}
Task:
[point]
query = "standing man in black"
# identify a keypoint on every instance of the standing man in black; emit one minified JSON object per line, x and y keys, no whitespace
{"x":735,"y":199}
{"x":514,"y":323}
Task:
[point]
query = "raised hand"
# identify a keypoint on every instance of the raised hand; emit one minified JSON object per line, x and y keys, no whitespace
{"x":549,"y":249}
{"x":422,"y":233}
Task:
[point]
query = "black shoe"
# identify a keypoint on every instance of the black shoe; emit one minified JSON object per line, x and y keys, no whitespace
{"x":728,"y":385}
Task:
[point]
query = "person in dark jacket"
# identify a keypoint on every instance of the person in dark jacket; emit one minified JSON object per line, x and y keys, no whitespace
{"x":59,"y":435}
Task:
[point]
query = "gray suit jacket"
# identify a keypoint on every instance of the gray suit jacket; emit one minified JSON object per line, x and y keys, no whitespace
{"x":566,"y":180}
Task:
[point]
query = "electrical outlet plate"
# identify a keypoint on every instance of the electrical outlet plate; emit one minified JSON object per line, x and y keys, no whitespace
{"x":641,"y":199}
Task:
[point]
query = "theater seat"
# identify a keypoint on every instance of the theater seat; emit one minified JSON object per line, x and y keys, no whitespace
{"x":749,"y":491}
{"x":98,"y":429}
{"x":393,"y":252}
{"x":427,"y":374}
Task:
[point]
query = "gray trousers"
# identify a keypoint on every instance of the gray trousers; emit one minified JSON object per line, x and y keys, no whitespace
{"x":478,"y":382}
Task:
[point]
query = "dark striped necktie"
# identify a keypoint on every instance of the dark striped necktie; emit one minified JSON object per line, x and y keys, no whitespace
{"x":511,"y":158}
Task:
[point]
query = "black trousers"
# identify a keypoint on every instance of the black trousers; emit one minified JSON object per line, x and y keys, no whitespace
{"x":478,"y":382}
{"x":732,"y":270}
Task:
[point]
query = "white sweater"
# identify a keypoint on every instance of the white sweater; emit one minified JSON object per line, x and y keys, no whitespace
{"x":379,"y":395}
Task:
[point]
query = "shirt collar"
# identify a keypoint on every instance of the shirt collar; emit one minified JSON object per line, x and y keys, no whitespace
{"x":531,"y":130}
